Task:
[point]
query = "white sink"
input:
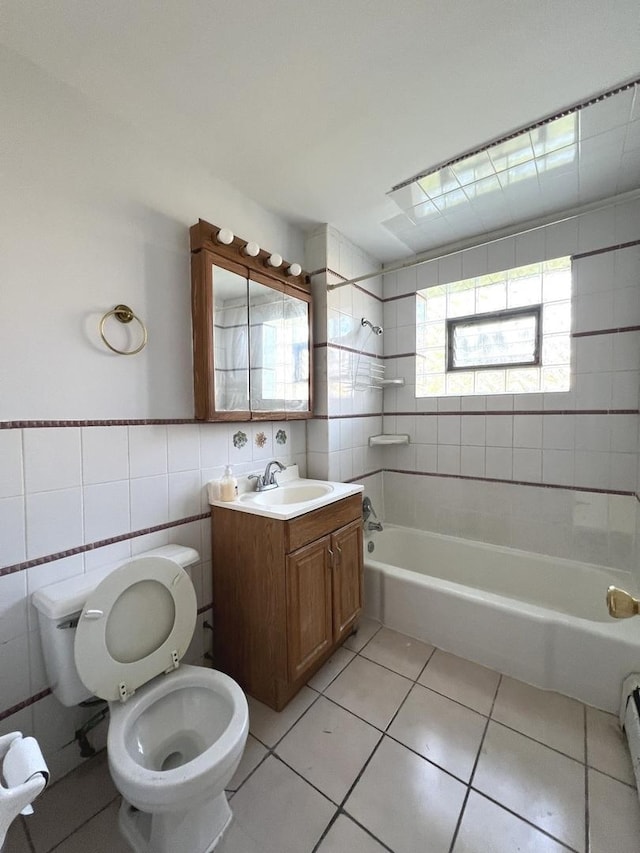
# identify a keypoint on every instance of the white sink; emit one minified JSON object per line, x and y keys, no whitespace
{"x":294,"y":494}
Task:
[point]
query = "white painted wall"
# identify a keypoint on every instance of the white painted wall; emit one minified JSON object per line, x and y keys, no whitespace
{"x":93,"y":214}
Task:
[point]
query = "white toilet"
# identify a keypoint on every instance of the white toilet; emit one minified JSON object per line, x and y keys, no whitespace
{"x":176,"y":733}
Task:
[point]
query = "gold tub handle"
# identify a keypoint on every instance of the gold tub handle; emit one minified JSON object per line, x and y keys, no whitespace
{"x":622,"y":604}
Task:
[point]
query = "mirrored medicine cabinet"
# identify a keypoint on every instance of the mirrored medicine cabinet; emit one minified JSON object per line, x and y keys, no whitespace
{"x":251,"y":334}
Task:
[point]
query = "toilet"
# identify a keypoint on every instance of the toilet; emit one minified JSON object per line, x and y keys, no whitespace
{"x":176,"y":732}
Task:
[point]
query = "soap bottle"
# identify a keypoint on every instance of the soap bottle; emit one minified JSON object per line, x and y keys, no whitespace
{"x":228,"y":485}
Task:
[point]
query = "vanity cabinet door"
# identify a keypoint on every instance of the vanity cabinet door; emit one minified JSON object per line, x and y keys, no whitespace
{"x":309,"y":606}
{"x":346,"y":545}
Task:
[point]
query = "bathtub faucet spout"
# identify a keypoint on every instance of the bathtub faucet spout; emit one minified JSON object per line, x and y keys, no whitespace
{"x":372,"y":525}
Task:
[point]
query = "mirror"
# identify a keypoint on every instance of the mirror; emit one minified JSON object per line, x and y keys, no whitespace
{"x":252,"y":343}
{"x":279,"y":346}
{"x":230,"y":340}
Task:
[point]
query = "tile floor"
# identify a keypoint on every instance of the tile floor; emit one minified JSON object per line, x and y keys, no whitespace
{"x":396,"y":746}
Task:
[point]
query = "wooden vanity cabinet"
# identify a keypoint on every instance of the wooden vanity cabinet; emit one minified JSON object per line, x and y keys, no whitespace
{"x":285,"y":594}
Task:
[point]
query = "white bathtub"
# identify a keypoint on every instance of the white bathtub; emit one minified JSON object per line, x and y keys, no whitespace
{"x":540,"y":619}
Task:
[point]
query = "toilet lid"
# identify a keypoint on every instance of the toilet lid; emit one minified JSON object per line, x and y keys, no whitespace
{"x":137,"y":623}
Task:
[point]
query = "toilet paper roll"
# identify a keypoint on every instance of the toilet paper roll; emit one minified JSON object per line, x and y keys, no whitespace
{"x":23,"y":761}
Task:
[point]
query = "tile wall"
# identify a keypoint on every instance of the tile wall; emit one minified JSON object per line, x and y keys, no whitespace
{"x":346,"y":356}
{"x":477,"y":466}
{"x":65,"y":488}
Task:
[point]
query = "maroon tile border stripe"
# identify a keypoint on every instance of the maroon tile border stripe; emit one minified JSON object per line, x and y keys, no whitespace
{"x":97,"y":423}
{"x":621,"y":492}
{"x":363,"y":476}
{"x":346,"y":417}
{"x":510,"y":412}
{"x":327,"y":345}
{"x":92,"y":546}
{"x":24,"y":704}
{"x":605,"y":331}
{"x":605,"y":249}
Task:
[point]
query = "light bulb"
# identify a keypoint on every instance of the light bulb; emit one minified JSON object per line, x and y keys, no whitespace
{"x":294,"y":269}
{"x":225,"y":236}
{"x":274,"y":260}
{"x":252,"y":250}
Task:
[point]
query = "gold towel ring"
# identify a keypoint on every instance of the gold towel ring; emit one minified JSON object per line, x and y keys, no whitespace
{"x":123,"y":314}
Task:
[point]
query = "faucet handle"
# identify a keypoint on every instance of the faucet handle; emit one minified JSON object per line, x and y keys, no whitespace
{"x":367,"y":508}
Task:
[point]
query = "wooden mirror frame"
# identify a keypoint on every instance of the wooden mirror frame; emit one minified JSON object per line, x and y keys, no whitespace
{"x":206,"y":252}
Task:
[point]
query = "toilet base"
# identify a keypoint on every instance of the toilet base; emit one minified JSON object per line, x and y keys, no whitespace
{"x":198,"y":830}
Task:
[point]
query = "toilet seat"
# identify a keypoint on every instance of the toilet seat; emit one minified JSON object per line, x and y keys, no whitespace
{"x":136,"y":624}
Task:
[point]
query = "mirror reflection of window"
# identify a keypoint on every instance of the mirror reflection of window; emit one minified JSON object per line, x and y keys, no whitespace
{"x":230,"y":338}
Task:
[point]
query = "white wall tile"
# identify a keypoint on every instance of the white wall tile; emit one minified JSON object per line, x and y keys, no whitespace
{"x":149,"y":502}
{"x":448,"y":459}
{"x":12,"y":541}
{"x":499,"y":430}
{"x":183,"y":441}
{"x":105,"y":454}
{"x":14,"y":666}
{"x":13,"y":606}
{"x":592,"y":469}
{"x":147,"y":450}
{"x":106,"y":510}
{"x":527,"y":465}
{"x":214,"y":447}
{"x":184,"y":494}
{"x":52,"y":458}
{"x":472,"y":461}
{"x":499,"y":462}
{"x":11,"y":463}
{"x":473,"y":430}
{"x":448,"y":429}
{"x":558,"y":432}
{"x":558,"y":467}
{"x":527,"y":431}
{"x":54,"y":522}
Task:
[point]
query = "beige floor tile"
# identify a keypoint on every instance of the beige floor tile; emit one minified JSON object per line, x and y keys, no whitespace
{"x":370,"y":691}
{"x":549,"y":717}
{"x":400,"y":653}
{"x":332,"y":668}
{"x":607,"y":748}
{"x":71,"y":802}
{"x":278,"y":812}
{"x":253,"y":754}
{"x":16,"y":840}
{"x":536,"y":782}
{"x":487,"y":828}
{"x":329,"y":747}
{"x":367,"y":628}
{"x":441,"y":730}
{"x":268,"y":725}
{"x":345,"y":836}
{"x":99,"y":835}
{"x":459,"y":679}
{"x":614,"y":815}
{"x":406,"y":802}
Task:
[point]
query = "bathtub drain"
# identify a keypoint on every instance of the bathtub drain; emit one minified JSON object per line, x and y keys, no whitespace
{"x":370,"y":547}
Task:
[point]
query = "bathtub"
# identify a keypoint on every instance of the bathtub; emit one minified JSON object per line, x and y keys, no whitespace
{"x":540,"y":619}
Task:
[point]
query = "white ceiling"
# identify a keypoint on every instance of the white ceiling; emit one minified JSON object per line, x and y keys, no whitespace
{"x":317,"y":109}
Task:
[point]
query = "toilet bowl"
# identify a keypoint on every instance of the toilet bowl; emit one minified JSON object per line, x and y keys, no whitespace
{"x":176,"y":732}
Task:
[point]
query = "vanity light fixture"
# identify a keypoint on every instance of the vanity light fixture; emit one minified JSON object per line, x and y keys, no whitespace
{"x":251,"y":249}
{"x":274,"y":260}
{"x":225,"y":236}
{"x":293,"y":269}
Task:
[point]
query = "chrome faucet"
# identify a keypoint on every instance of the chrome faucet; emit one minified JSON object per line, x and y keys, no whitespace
{"x":268,"y":479}
{"x":367,"y":512}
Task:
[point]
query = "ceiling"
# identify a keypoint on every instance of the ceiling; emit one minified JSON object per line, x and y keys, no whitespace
{"x":318,"y":109}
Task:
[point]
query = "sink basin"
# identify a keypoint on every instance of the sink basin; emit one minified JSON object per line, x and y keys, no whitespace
{"x":294,"y":494}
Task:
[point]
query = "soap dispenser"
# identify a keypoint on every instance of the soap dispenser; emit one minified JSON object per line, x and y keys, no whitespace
{"x":228,"y":485}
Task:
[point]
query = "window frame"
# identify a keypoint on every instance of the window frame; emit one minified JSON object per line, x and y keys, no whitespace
{"x":479,"y":319}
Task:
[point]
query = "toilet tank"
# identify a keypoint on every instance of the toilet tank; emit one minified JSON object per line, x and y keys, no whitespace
{"x":59,"y":606}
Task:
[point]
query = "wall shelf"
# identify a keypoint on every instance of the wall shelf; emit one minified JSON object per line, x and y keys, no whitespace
{"x":381,"y":440}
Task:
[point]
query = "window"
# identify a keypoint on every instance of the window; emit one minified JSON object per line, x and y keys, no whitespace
{"x":503,"y":333}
